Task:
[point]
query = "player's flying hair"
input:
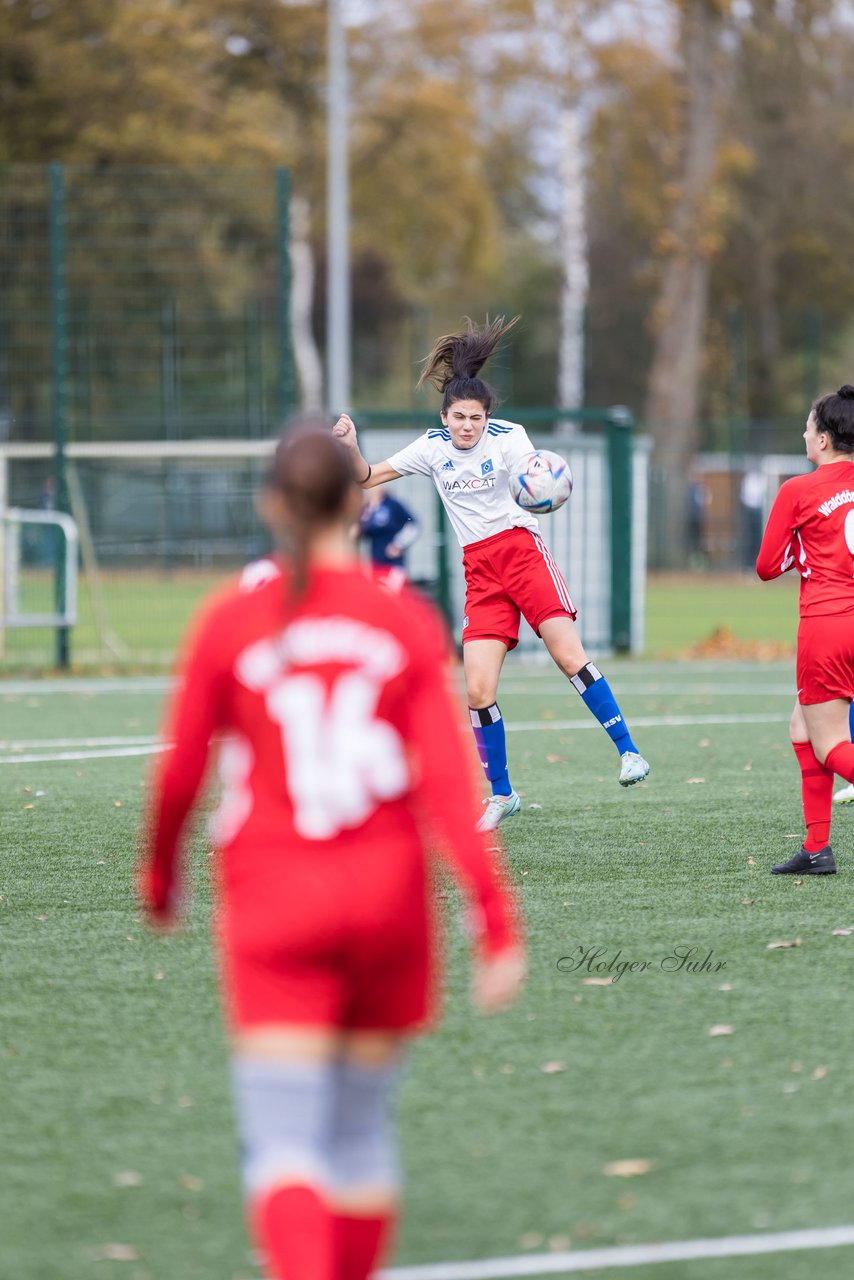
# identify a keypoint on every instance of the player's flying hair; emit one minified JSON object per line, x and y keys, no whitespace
{"x":312,"y":472}
{"x":834,"y":413}
{"x":457,"y":358}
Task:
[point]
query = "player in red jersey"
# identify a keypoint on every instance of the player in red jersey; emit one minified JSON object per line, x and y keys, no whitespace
{"x":509,"y":570}
{"x":341,"y":755}
{"x":811,"y":530}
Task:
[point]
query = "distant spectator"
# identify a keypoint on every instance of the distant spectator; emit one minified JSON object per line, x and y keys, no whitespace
{"x":389,"y":528}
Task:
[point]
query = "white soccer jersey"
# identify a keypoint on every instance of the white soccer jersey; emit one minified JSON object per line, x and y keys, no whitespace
{"x":473,"y":483}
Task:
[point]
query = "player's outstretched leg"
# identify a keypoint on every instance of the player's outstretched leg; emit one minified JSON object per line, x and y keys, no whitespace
{"x":563,"y":643}
{"x":845,"y":795}
{"x":488,"y":726}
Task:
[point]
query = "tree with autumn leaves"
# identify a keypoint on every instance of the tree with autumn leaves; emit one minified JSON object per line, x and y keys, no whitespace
{"x":716,"y":153}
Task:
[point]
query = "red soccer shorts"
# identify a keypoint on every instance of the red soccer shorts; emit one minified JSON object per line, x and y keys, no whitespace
{"x":825,"y":665}
{"x":336,"y":937}
{"x":511,"y":574}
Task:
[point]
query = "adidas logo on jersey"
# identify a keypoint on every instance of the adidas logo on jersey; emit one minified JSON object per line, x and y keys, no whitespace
{"x":449,"y":465}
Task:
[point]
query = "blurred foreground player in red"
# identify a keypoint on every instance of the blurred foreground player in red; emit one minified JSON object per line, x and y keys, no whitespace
{"x":811,"y":530}
{"x":342,"y":758}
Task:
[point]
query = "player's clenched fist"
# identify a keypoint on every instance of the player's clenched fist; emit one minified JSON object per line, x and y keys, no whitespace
{"x":345,"y":430}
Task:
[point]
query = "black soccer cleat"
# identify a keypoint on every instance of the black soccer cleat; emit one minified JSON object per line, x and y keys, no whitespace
{"x":808,"y":864}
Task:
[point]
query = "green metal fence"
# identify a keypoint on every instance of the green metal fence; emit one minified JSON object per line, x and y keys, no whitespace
{"x":143,"y":303}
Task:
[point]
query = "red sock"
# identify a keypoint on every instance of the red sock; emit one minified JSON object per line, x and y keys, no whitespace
{"x":817,"y":795}
{"x":296,"y":1232}
{"x":841,"y":760}
{"x":362,"y":1243}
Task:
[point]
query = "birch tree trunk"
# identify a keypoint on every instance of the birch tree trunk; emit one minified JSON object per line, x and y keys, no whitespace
{"x":306,"y":355}
{"x":575,"y":264}
{"x":680,"y":317}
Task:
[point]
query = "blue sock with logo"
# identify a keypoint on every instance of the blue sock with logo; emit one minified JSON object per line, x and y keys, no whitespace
{"x":488,"y":729}
{"x":597,"y":696}
{"x":851,"y":721}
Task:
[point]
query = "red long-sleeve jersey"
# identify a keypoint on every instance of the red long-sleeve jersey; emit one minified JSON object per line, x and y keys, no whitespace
{"x":337,"y":725}
{"x":811,"y":530}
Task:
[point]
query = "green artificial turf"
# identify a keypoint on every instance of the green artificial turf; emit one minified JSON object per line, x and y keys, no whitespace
{"x":146,"y":614}
{"x":116,"y":1127}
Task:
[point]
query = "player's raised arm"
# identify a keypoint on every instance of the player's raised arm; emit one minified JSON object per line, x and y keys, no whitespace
{"x":365,"y":474}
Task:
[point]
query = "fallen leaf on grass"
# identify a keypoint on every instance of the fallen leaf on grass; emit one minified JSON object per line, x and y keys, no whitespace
{"x":627,"y":1168}
{"x":841,"y":933}
{"x":530,"y":1240}
{"x":783,"y":946}
{"x":721,"y":1029}
{"x":190,"y":1182}
{"x":553,"y":1068}
{"x":559,"y":1244}
{"x":556,"y":759}
{"x":819,"y":1073}
{"x":690,"y":781}
{"x":597,"y":982}
{"x":116,"y":1253}
{"x":751,"y":862}
{"x":725,"y":986}
{"x":747,"y":902}
{"x":128,"y":1178}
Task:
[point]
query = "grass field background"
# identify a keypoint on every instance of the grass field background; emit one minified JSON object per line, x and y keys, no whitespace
{"x":116,"y":1127}
{"x":147,"y":613}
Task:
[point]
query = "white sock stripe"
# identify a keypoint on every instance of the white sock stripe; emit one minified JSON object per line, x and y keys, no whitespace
{"x":556,"y":575}
{"x":275,"y":1168}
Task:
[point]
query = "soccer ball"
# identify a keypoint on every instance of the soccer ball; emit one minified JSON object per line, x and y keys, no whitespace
{"x":543,"y":484}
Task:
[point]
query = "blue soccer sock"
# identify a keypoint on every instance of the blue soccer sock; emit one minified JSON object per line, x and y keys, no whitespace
{"x":597,"y":696}
{"x":488,"y":729}
{"x":851,"y":720}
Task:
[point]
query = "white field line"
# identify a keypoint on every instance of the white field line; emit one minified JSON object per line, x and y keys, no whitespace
{"x":113,"y":748}
{"x":135,"y":740}
{"x":670,"y":688}
{"x":633,"y":1255}
{"x":108,"y":753}
{"x":644,"y":722}
{"x":86,"y":685}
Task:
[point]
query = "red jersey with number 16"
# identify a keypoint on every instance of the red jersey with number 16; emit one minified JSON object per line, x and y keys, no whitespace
{"x":811,"y":530}
{"x":337,"y":731}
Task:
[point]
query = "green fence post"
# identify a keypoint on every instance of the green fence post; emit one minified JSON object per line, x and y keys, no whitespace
{"x":286,"y":388}
{"x":443,"y":568}
{"x":59,"y":382}
{"x":620,"y":425}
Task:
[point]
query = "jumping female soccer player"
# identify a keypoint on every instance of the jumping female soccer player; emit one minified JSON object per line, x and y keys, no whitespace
{"x":811,"y":530}
{"x":508,"y":568}
{"x":342,"y":755}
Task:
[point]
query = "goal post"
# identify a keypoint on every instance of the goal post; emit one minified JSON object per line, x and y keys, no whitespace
{"x":160,"y":522}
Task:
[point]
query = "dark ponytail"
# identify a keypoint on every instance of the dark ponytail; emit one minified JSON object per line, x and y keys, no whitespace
{"x":834,"y":413}
{"x":312,"y":471}
{"x":457,"y":358}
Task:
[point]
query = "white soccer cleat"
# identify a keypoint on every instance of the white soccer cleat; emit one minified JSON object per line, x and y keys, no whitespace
{"x":633,"y":768}
{"x":845,"y":795}
{"x":497,"y":809}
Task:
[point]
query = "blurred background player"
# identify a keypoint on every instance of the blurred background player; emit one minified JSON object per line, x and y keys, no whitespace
{"x":509,"y":570}
{"x":389,"y":528}
{"x":343,"y":755}
{"x":811,"y":530}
